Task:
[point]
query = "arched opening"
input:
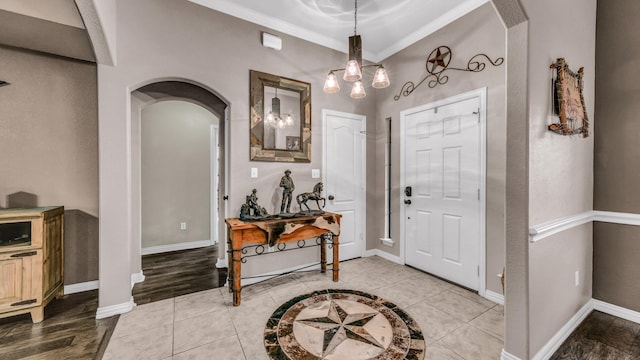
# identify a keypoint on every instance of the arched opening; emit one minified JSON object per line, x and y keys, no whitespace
{"x":177,"y":170}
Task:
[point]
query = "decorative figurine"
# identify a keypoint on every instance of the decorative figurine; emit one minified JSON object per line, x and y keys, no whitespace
{"x":286,"y":183}
{"x":252,"y":204}
{"x":315,"y":195}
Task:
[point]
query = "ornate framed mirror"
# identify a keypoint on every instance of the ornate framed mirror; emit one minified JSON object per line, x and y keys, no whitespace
{"x":280,"y":118}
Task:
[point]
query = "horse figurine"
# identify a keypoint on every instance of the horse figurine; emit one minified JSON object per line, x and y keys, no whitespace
{"x":315,"y":195}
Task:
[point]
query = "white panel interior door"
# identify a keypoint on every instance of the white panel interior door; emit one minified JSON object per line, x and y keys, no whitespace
{"x":344,"y":177}
{"x":442,"y":165}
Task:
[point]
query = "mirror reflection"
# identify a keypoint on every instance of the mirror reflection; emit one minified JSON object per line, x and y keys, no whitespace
{"x":281,"y":119}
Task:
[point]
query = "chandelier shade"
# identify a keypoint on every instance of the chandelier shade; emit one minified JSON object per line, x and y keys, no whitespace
{"x":357,"y":91}
{"x":331,"y":85}
{"x":353,"y":69}
{"x":380,"y":79}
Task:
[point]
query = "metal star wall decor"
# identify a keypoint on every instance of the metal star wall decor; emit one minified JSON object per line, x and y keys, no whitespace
{"x":438,"y":62}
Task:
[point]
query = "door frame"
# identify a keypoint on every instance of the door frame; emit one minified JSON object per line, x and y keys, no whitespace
{"x":481,"y":94}
{"x":213,"y":183}
{"x":363,"y":166}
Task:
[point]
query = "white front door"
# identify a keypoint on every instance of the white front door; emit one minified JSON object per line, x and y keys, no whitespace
{"x":442,"y":189}
{"x":344,"y":177}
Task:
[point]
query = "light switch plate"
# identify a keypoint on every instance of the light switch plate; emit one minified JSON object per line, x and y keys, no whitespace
{"x":315,"y":173}
{"x":254,"y":172}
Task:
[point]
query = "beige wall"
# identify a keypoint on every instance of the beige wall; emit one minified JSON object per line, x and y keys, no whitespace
{"x":175,"y":161}
{"x":48,"y":127}
{"x":560,"y":168}
{"x":478,"y":32}
{"x":617,"y":169}
{"x":219,"y":52}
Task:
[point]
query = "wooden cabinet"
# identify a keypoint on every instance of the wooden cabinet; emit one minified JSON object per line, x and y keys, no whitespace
{"x":31,"y":260}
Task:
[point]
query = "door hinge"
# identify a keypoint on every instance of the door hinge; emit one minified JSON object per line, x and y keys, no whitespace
{"x":478,"y":270}
{"x":478,"y":194}
{"x":24,"y":302}
{"x":24,"y":254}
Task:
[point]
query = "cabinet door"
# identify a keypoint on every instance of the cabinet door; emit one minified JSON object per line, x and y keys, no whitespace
{"x":18,"y":280}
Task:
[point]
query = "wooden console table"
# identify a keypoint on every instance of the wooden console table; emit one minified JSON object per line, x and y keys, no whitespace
{"x":257,"y":235}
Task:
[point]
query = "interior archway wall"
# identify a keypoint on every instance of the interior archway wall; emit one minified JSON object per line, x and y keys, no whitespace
{"x":516,"y":312}
{"x":165,"y":90}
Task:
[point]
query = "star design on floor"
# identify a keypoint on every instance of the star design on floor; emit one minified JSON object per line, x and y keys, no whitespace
{"x":339,"y":325}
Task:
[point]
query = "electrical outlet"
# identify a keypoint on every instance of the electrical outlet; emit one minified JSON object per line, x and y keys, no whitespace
{"x":254,"y":172}
{"x":315,"y":173}
{"x":183,"y":226}
{"x":577,"y":277}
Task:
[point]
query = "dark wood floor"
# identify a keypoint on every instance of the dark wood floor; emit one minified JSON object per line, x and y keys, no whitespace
{"x":178,"y":273}
{"x":602,"y":337}
{"x":70,"y":331}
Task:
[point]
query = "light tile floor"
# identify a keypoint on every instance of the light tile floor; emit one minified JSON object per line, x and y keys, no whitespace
{"x":457,"y":324}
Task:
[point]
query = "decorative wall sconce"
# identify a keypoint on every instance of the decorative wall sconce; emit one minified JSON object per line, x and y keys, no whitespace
{"x":3,"y":83}
{"x":438,"y":62}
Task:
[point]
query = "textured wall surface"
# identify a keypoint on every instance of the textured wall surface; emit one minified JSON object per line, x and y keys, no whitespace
{"x":617,"y":156}
{"x":49,"y":147}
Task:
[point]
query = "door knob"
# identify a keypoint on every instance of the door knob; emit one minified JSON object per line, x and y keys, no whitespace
{"x":330,"y":197}
{"x":407,"y":201}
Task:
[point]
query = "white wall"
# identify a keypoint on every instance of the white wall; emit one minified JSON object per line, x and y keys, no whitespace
{"x":175,"y":169}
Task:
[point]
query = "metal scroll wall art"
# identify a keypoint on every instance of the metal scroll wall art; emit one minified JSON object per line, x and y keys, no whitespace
{"x":568,"y":101}
{"x":438,"y":63}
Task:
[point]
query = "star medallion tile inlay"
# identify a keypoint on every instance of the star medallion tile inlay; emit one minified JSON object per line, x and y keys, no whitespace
{"x":342,"y":324}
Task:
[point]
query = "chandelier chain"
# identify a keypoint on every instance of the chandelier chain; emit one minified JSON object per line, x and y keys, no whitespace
{"x":355,"y":19}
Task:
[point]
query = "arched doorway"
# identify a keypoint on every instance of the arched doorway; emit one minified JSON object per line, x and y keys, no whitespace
{"x":190,"y":103}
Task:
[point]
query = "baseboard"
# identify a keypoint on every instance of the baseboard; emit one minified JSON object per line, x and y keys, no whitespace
{"x":176,"y":247}
{"x":272,"y":274}
{"x":385,"y":255}
{"x":506,"y":356}
{"x":108,"y":311}
{"x":81,"y":287}
{"x":387,"y":242}
{"x":222,"y":263}
{"x":494,"y":296}
{"x":616,"y":311}
{"x":137,"y":278}
{"x":554,"y":343}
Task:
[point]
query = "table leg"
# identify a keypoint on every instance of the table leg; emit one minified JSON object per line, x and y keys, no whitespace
{"x":236,"y":243}
{"x":336,"y":257}
{"x":229,"y":263}
{"x":323,"y":254}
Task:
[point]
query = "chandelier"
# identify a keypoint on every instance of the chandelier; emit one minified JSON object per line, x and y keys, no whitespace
{"x":274,"y":118}
{"x":353,"y":70}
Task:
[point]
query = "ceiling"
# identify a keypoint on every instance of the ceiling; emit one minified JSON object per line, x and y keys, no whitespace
{"x":51,"y":26}
{"x":386,"y":26}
